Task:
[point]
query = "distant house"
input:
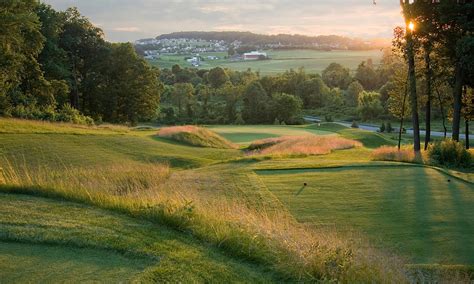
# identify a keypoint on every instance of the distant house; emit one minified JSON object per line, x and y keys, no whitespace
{"x":254,"y":55}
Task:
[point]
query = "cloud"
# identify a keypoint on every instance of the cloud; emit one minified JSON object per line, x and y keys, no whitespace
{"x":127,"y":29}
{"x":125,"y":20}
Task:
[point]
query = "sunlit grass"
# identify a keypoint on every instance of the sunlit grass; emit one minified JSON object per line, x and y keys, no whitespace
{"x":269,"y":237}
{"x":302,"y":145}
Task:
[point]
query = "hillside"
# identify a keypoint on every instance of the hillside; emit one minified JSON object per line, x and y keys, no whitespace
{"x":278,"y":41}
{"x":99,"y":201}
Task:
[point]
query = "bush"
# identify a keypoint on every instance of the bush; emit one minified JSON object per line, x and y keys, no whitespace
{"x":276,"y":122}
{"x":449,"y":153}
{"x":69,"y":114}
{"x":328,"y":118}
{"x":354,"y":124}
{"x":382,"y":127}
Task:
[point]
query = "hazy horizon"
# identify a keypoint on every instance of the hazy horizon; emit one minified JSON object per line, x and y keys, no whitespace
{"x":124,"y":20}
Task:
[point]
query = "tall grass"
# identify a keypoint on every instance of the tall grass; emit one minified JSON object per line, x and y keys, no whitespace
{"x":387,"y":153}
{"x":268,"y":237}
{"x":306,"y":145}
{"x":196,"y":136}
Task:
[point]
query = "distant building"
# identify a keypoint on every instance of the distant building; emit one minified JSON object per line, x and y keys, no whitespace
{"x":254,"y":55}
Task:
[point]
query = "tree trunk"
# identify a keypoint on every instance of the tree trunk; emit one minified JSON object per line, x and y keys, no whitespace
{"x":413,"y":95}
{"x":457,"y":94}
{"x":467,"y":134}
{"x":428,"y":77}
{"x":442,"y":113}
{"x":402,"y":116}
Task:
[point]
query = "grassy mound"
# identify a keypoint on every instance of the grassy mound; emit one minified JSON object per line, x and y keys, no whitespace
{"x":196,"y":136}
{"x":306,"y":145}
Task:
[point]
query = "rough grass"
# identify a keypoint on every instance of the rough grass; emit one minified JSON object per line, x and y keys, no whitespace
{"x":51,"y":242}
{"x":196,"y":136}
{"x":302,"y":145}
{"x":393,"y":154}
{"x":270,"y":238}
{"x":220,"y":203}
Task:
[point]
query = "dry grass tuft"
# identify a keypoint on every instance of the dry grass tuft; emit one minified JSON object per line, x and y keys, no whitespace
{"x":196,"y":136}
{"x":387,"y":153}
{"x":302,"y":145}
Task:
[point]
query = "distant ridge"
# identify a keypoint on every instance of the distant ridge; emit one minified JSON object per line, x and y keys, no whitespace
{"x":283,"y":40}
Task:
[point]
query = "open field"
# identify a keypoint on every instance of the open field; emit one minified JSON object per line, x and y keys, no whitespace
{"x":281,"y":60}
{"x":157,"y":209}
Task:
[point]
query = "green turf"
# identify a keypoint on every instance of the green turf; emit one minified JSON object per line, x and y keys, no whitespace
{"x":90,"y":150}
{"x":20,"y":263}
{"x":88,"y":240}
{"x":281,"y":61}
{"x":246,"y":134}
{"x":414,"y":210}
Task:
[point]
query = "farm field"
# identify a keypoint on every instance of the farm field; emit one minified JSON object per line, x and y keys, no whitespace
{"x":281,"y":60}
{"x":123,"y":201}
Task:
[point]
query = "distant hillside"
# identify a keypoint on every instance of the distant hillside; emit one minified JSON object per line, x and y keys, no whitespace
{"x":280,"y":40}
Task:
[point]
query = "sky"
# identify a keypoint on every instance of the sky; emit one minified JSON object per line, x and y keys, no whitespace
{"x":130,"y":20}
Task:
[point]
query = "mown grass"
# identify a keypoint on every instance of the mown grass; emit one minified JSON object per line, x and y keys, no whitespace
{"x":267,"y":237}
{"x":205,"y":195}
{"x":49,"y":263}
{"x":94,"y":244}
{"x":246,"y":134}
{"x":419,"y":212}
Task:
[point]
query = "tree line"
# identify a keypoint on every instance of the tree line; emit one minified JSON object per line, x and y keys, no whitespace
{"x":438,"y":45}
{"x":57,"y":66}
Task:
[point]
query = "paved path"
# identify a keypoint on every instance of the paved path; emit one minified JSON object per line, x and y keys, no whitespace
{"x":376,"y":129}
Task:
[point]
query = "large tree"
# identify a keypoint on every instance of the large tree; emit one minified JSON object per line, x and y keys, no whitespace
{"x":21,"y":80}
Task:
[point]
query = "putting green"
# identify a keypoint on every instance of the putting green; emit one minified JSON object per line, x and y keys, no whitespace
{"x":247,"y":134}
{"x":419,"y":212}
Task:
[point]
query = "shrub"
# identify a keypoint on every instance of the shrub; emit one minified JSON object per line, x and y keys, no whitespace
{"x":354,"y":124}
{"x":328,"y":118}
{"x":69,"y":114}
{"x":382,"y":127}
{"x":276,"y":122}
{"x":449,"y":153}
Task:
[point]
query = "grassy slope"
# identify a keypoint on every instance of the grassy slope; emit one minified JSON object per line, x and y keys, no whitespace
{"x":235,"y":179}
{"x":45,"y":144}
{"x":93,"y":244}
